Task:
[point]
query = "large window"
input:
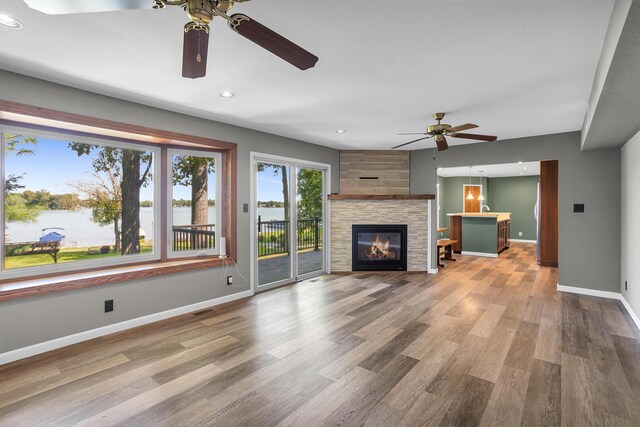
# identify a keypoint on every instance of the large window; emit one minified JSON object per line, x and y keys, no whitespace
{"x":74,"y":203}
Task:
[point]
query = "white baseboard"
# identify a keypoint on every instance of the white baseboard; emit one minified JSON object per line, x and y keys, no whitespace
{"x":484,"y":254}
{"x":590,"y":292}
{"x":633,"y":315}
{"x":603,"y":294}
{"x":432,"y":271}
{"x":43,"y":347}
{"x":523,"y":241}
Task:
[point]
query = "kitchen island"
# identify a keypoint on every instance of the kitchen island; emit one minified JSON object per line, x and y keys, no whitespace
{"x":480,"y":234}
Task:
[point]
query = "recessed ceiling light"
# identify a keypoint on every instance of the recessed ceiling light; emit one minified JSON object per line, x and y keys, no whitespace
{"x":227,"y":94}
{"x":521,"y":173}
{"x":519,"y":163}
{"x":453,"y":173}
{"x":525,"y":168}
{"x":10,"y":22}
{"x":340,"y":131}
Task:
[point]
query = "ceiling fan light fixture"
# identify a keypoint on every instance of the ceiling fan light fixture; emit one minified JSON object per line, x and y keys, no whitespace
{"x":227,"y":94}
{"x":10,"y":22}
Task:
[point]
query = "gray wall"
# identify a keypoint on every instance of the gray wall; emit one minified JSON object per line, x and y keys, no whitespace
{"x":516,"y":194}
{"x":38,"y":319}
{"x":630,"y":246}
{"x":589,"y":249}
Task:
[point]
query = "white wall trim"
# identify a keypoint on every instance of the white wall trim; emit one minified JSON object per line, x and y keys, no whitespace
{"x":602,"y":294}
{"x":432,"y":271}
{"x":483,"y":254}
{"x":590,"y":292}
{"x":633,"y":315}
{"x":43,"y":347}
{"x":523,"y":241}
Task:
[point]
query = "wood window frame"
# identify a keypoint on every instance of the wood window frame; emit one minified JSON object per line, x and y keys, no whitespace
{"x":45,"y":119}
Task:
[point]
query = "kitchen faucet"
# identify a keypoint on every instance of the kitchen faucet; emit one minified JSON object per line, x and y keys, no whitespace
{"x":484,"y":206}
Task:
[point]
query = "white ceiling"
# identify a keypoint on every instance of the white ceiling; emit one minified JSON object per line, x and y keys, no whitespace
{"x":516,"y":68}
{"x":493,"y":171}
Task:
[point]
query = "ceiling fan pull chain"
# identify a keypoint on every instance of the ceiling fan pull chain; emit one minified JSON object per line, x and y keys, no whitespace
{"x":198,"y":56}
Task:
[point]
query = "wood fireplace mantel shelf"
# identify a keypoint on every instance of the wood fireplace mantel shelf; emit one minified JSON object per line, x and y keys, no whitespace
{"x":381,"y":196}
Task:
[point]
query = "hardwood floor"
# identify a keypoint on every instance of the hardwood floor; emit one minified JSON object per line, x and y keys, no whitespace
{"x":485,"y":342}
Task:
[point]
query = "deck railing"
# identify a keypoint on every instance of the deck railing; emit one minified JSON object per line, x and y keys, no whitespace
{"x":193,"y":237}
{"x":273,"y":236}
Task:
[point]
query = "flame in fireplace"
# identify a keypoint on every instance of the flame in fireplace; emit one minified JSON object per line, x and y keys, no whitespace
{"x":380,"y":249}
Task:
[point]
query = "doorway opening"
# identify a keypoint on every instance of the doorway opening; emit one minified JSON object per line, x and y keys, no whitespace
{"x":482,"y":209}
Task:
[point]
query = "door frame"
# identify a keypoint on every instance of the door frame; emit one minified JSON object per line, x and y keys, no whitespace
{"x":257,"y":157}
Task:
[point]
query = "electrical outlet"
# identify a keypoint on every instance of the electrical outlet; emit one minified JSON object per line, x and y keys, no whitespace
{"x":229,"y":280}
{"x":625,"y":285}
{"x":520,"y":233}
{"x":108,"y":305}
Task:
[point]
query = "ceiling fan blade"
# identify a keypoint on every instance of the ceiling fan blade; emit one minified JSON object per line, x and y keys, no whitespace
{"x":413,"y":133}
{"x":441,"y":143}
{"x":194,"y":53}
{"x":474,"y":136}
{"x":465,"y":126}
{"x":60,"y":7}
{"x":410,"y":142}
{"x":272,"y":41}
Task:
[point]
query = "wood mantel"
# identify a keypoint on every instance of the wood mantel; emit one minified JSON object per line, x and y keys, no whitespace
{"x":381,"y":197}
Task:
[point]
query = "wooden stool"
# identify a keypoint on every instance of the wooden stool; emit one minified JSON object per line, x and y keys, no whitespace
{"x":447,"y":253}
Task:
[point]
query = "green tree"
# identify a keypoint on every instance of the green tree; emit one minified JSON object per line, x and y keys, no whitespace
{"x":126,"y":168}
{"x":310,"y":193}
{"x":103,"y":195}
{"x":16,"y":207}
{"x":194,"y":171}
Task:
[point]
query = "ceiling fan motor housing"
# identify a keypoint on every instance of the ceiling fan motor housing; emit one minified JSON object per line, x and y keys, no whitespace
{"x":200,"y":11}
{"x":438,"y":129}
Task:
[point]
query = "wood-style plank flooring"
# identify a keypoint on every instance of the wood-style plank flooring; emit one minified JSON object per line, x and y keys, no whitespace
{"x":485,"y":342}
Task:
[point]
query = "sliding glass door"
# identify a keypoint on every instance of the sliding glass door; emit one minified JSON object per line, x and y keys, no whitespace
{"x":289,"y":211}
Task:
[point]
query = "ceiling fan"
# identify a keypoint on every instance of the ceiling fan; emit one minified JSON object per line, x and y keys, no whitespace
{"x":196,"y":32}
{"x":440,"y":131}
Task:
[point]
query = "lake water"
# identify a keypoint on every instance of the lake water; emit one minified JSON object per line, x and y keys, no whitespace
{"x":81,"y":231}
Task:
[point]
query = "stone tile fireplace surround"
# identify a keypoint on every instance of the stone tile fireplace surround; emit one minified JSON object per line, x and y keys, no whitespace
{"x":412,"y":210}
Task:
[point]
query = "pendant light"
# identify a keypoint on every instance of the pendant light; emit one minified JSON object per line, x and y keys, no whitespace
{"x":470,"y":196}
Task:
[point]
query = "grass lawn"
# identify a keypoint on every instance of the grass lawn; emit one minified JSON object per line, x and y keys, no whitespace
{"x":65,"y":255}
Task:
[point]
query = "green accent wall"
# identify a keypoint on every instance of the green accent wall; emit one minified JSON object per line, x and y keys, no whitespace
{"x":511,"y":194}
{"x":480,"y":235}
{"x":518,"y":196}
{"x":451,"y":197}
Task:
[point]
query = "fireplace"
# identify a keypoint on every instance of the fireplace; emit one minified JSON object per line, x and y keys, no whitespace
{"x":379,"y":247}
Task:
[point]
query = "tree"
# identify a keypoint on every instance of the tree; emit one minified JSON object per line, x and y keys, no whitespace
{"x":104,"y":197}
{"x":194,"y":171}
{"x":285,"y":183}
{"x":16,"y":207}
{"x":125,"y":165}
{"x":310,"y":192}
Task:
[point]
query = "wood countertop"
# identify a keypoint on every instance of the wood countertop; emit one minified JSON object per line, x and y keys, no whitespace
{"x":500,"y":216}
{"x":381,"y":196}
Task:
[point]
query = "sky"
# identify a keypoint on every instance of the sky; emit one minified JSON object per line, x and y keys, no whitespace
{"x":56,"y":168}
